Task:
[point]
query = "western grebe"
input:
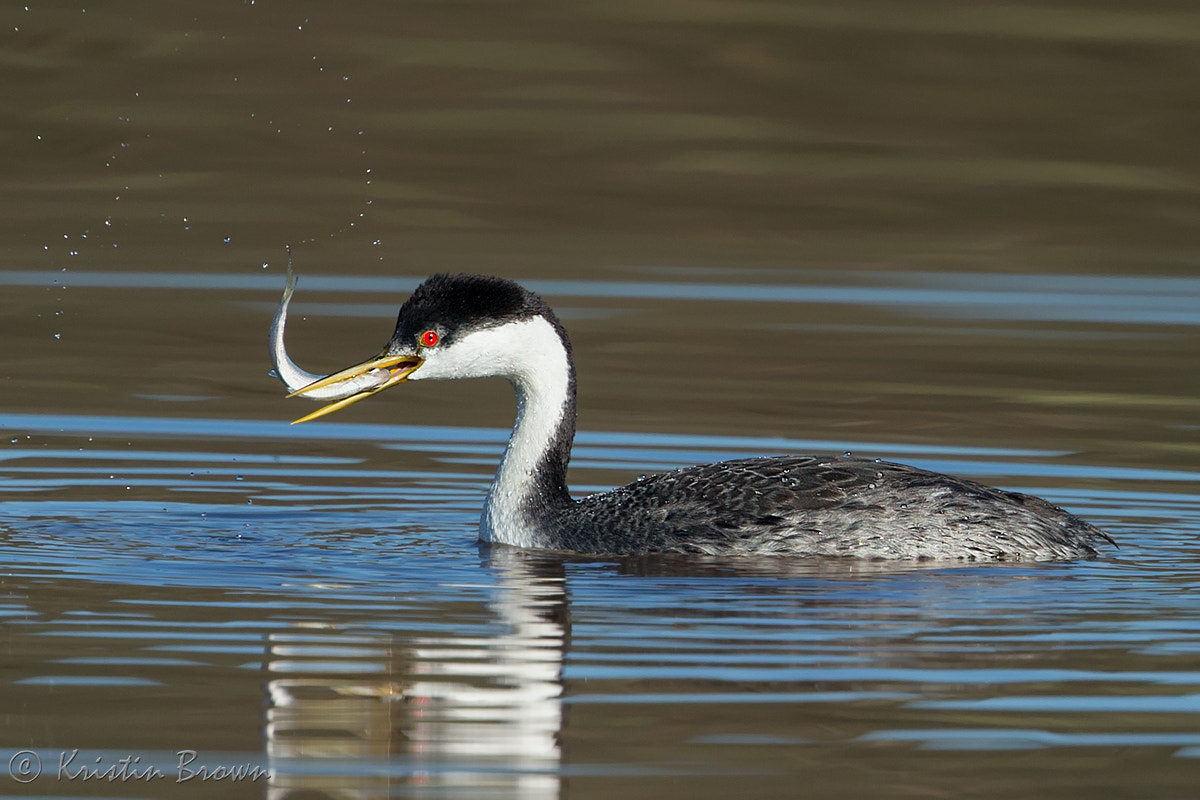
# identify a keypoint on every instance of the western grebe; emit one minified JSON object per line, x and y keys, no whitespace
{"x":470,"y":326}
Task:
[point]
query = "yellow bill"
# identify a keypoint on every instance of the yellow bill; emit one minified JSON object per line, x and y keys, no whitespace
{"x":360,"y":381}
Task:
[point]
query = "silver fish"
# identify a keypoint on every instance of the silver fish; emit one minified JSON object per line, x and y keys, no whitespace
{"x":345,"y":387}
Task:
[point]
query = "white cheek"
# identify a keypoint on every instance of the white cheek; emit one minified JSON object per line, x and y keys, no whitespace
{"x":514,"y":350}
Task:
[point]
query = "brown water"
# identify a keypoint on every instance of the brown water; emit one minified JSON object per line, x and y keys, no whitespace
{"x":959,"y":235}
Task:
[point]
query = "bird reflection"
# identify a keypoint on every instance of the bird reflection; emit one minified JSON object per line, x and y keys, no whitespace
{"x":440,"y":715}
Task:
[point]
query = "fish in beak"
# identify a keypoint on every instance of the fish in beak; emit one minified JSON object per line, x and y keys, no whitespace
{"x":345,"y":387}
{"x":360,"y":381}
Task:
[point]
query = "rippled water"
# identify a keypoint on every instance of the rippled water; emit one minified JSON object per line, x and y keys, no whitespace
{"x":962,"y":237}
{"x":331,"y":619}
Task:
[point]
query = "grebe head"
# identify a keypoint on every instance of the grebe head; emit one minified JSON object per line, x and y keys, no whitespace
{"x":456,"y":326}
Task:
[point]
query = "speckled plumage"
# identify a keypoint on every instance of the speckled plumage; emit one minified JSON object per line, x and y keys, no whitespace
{"x":811,"y":506}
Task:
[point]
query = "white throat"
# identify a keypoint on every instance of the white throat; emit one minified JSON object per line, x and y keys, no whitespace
{"x":531,"y":355}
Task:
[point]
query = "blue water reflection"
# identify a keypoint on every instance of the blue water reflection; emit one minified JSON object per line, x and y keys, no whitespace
{"x":395,"y":647}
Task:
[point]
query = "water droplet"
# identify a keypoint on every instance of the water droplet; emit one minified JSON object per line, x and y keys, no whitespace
{"x":58,"y":336}
{"x":846,"y":454}
{"x":226,"y":240}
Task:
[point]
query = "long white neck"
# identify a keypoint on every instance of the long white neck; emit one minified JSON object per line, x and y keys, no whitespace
{"x":532,"y":474}
{"x":543,"y":399}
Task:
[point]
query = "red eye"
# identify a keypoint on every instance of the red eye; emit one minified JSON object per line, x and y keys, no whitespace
{"x":429,"y":338}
